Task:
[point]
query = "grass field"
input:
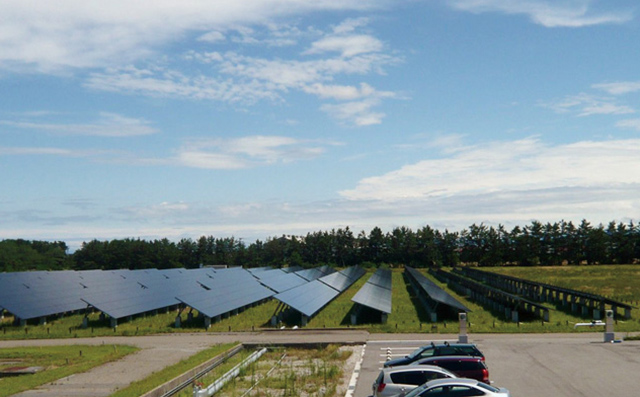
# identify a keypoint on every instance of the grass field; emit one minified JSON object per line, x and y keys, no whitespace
{"x":619,"y":282}
{"x":615,"y":281}
{"x":56,"y":361}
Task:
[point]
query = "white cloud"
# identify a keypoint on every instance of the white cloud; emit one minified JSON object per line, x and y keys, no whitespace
{"x":629,"y":123}
{"x":510,"y":183}
{"x":341,"y":92}
{"x":358,"y":113}
{"x":548,"y":13}
{"x":246,"y":152}
{"x":212,"y":37}
{"x":619,"y":88}
{"x":347,"y":46}
{"x":27,"y":151}
{"x":108,"y":125}
{"x":235,"y":78}
{"x":508,"y":167}
{"x":350,"y":25}
{"x":53,"y":151}
{"x":52,"y":36}
{"x":588,"y":105}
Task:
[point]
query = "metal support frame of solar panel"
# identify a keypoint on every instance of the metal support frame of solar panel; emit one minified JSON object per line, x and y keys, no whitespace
{"x":374,"y":293}
{"x":490,"y":296}
{"x":280,"y":281}
{"x":435,"y":293}
{"x":494,"y":280}
{"x":309,"y":298}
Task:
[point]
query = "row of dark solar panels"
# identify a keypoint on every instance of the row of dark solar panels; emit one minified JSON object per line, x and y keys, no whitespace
{"x":212,"y":292}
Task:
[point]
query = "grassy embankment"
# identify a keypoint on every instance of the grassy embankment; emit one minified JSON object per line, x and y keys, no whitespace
{"x":57,"y":362}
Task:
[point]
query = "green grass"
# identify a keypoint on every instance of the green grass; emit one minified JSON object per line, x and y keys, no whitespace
{"x":58,"y":361}
{"x":619,"y":282}
{"x":138,"y":388}
{"x":70,"y":326}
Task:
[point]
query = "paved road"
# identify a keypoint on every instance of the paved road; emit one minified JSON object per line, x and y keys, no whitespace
{"x":571,"y":365}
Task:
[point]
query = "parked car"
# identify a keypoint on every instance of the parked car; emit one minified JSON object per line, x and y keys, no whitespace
{"x":401,"y":379}
{"x":463,"y":366}
{"x":457,"y":387}
{"x":441,"y":349}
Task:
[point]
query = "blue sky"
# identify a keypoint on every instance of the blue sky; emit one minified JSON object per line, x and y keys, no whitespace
{"x":259,"y":118}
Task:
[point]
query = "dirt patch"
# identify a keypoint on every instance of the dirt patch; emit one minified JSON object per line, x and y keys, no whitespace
{"x":299,"y":372}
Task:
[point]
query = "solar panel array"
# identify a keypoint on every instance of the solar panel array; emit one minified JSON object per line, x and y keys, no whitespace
{"x":227,"y":291}
{"x":309,"y":298}
{"x":125,"y":293}
{"x":376,"y":292}
{"x":280,"y":281}
{"x":434,"y":292}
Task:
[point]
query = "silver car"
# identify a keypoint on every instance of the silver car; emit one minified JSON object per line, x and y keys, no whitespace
{"x":400,"y":380}
{"x":458,"y":387}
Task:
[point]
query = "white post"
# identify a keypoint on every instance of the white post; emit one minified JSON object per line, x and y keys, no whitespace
{"x":462,"y":337}
{"x":609,"y":335}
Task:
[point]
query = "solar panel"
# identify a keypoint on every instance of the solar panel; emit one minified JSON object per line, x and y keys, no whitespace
{"x":375,"y":297}
{"x":376,"y":292}
{"x":30,"y":295}
{"x":310,"y":274}
{"x":354,"y":272}
{"x":308,"y":299}
{"x":382,"y":278}
{"x":223,"y":300}
{"x":340,"y":281}
{"x":283,"y":281}
{"x":292,"y":269}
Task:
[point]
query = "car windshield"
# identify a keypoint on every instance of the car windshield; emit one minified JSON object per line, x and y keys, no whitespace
{"x":415,"y":392}
{"x":488,"y":387}
{"x":416,"y":352}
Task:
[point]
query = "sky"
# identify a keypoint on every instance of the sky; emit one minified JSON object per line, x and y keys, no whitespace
{"x":260,"y":118}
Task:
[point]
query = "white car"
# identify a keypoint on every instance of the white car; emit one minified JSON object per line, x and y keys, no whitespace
{"x":457,"y":387}
{"x":402,"y":379}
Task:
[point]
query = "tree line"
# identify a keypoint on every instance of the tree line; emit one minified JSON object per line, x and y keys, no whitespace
{"x":559,"y":243}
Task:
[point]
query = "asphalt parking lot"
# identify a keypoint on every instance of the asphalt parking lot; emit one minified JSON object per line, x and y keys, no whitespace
{"x":528,"y":365}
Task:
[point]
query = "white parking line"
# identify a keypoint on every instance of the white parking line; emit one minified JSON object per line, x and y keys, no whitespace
{"x":354,"y":376}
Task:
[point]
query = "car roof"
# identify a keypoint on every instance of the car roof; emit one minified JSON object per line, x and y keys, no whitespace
{"x":401,"y":368}
{"x":451,"y":381}
{"x":451,"y":358}
{"x":448,"y":344}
